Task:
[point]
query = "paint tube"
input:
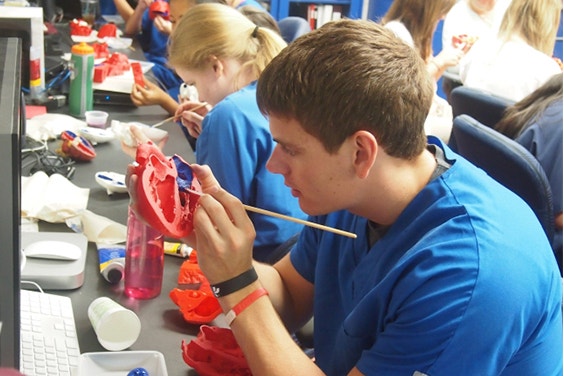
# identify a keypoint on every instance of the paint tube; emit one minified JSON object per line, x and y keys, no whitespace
{"x":112,"y":261}
{"x":177,"y":249}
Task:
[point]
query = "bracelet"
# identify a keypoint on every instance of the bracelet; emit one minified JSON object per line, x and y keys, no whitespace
{"x":234,"y":284}
{"x":243,"y":304}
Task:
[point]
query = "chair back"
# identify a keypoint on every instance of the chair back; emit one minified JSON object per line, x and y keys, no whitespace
{"x":293,"y":27}
{"x":509,"y":163}
{"x":486,"y":108}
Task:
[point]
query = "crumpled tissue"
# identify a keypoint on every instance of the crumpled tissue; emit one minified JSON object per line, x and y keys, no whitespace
{"x":51,"y":198}
{"x":55,"y":199}
{"x":50,"y":126}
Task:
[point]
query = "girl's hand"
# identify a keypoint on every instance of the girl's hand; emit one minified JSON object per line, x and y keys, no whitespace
{"x":192,"y":120}
{"x":147,"y":96}
{"x":162,"y":25}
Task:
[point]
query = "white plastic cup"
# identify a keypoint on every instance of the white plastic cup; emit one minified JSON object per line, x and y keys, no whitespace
{"x":116,"y":327}
{"x":97,"y":119}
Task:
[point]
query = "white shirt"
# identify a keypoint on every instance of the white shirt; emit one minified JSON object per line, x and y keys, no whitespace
{"x":461,"y":19}
{"x":511,"y":69}
{"x":400,"y":31}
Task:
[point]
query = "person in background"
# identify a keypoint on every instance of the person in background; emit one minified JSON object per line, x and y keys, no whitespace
{"x":152,"y":94}
{"x":152,"y":35}
{"x":475,"y":19}
{"x":221,"y":52}
{"x":241,"y":3}
{"x":415,"y":21}
{"x":260,"y":17}
{"x":536,"y":123}
{"x":450,"y":274}
{"x":519,"y":59}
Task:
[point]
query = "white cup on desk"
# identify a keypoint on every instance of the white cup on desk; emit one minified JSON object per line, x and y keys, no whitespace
{"x":116,"y":327}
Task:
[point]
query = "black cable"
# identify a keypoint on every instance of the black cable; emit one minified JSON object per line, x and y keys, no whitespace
{"x":40,"y":158}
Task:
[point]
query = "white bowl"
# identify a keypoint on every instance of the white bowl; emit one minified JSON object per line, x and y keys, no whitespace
{"x":121,"y":363}
{"x":97,"y":135}
{"x":112,"y":181}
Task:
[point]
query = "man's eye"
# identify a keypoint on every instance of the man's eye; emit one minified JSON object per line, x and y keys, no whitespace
{"x":288,"y":151}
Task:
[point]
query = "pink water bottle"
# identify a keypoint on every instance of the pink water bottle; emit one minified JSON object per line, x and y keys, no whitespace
{"x":144,"y":259}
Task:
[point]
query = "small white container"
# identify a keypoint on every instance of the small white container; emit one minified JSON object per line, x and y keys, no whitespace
{"x":96,"y":119}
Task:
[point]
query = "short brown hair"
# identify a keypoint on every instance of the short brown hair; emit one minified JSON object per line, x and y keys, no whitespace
{"x":351,"y":75}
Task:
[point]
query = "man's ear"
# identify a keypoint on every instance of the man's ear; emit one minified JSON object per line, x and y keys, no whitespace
{"x":366,"y":150}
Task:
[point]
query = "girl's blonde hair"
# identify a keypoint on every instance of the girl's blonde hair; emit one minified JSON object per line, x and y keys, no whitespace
{"x":216,"y":30}
{"x":536,"y":21}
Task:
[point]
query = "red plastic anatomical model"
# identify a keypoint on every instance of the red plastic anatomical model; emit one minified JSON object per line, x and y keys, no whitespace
{"x":162,"y":196}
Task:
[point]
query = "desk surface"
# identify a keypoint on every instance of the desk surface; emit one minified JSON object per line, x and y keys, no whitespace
{"x":163,"y":328}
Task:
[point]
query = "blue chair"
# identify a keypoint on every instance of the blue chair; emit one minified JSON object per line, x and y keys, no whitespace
{"x":510,"y":164}
{"x":293,"y":27}
{"x":487,"y":108}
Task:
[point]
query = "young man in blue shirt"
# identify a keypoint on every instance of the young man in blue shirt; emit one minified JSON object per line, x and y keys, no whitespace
{"x":451,"y":273}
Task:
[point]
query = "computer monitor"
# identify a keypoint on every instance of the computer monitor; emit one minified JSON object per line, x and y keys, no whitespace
{"x":11,"y":128}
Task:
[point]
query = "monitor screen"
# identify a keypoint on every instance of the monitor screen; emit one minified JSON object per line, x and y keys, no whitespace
{"x":11,"y":125}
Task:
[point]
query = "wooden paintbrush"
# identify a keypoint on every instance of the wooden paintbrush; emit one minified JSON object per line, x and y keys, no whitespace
{"x":172,"y":118}
{"x":292,"y":219}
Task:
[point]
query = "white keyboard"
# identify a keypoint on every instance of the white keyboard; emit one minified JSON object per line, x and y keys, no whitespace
{"x":49,"y":344}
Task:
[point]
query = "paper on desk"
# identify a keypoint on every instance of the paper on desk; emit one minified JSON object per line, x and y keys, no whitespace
{"x":50,"y":126}
{"x":55,"y":199}
{"x":98,"y":229}
{"x":51,"y":198}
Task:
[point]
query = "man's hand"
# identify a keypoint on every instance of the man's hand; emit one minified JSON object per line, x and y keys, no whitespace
{"x":224,"y":232}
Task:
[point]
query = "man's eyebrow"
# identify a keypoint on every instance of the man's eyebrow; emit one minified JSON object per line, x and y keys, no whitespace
{"x":289,"y":144}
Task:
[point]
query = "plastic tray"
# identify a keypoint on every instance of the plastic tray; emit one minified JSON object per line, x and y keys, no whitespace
{"x":120,"y":363}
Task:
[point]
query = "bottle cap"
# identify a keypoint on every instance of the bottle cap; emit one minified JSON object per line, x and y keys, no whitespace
{"x":82,"y":48}
{"x":115,"y":275}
